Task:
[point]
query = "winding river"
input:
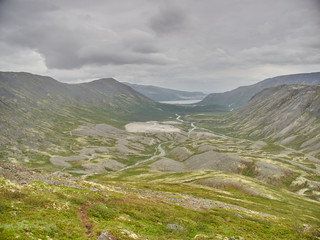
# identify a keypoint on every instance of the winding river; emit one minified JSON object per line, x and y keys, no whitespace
{"x":161,"y":153}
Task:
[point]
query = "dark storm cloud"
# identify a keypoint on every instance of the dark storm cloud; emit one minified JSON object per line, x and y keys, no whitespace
{"x":207,"y":44}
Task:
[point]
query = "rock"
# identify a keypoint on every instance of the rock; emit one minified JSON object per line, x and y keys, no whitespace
{"x":105,"y":235}
{"x":200,"y":236}
{"x":22,"y":182}
{"x":174,"y":227}
{"x":130,"y":234}
{"x":232,"y":238}
{"x":241,"y":238}
{"x":238,"y":215}
{"x":219,"y":236}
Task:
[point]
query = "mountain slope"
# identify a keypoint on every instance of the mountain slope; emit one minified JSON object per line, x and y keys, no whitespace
{"x":286,"y":114}
{"x":39,"y":112}
{"x":165,"y":94}
{"x":240,"y":96}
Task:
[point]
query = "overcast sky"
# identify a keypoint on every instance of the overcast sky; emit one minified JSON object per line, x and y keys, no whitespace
{"x":205,"y":45}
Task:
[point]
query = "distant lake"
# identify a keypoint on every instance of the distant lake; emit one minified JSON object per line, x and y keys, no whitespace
{"x":189,"y":101}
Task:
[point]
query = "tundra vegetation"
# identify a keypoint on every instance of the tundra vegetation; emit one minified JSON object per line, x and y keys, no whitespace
{"x":188,"y":174}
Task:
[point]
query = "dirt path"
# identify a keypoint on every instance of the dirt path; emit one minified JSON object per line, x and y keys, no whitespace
{"x":87,"y":223}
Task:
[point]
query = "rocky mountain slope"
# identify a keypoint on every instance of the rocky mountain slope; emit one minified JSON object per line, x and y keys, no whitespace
{"x":165,"y":94}
{"x":288,"y":115}
{"x":240,"y":96}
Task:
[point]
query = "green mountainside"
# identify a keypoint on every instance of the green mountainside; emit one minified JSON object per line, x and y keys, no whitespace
{"x":240,"y":96}
{"x":39,"y":112}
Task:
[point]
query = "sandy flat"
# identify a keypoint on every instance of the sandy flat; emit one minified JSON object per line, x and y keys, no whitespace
{"x":151,"y":127}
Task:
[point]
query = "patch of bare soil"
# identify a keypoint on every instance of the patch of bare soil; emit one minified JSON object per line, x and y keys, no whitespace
{"x":87,"y":223}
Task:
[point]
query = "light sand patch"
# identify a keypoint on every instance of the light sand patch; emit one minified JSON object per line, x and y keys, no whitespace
{"x":151,"y":127}
{"x":172,"y":122}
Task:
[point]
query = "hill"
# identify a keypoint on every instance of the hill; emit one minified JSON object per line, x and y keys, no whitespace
{"x":165,"y":94}
{"x":288,"y":115}
{"x":39,"y":112}
{"x":240,"y":96}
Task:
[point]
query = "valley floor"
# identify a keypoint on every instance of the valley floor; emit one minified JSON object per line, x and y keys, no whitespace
{"x":161,"y":180}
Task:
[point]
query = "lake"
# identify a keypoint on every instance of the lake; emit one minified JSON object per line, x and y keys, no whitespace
{"x":189,"y":101}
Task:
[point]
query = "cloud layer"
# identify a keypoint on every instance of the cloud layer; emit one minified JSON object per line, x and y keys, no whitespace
{"x":208,"y":45}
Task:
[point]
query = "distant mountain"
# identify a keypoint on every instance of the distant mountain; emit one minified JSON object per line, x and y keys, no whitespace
{"x":286,"y":114}
{"x":240,"y":96}
{"x":165,"y":94}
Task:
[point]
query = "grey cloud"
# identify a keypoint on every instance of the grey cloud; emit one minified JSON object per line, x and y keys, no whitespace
{"x":193,"y":44}
{"x":66,"y":45}
{"x":168,"y":20}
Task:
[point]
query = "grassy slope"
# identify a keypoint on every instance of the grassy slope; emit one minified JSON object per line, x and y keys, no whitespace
{"x":138,"y":202}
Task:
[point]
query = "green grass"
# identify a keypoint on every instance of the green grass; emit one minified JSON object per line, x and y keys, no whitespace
{"x":270,"y":147}
{"x":292,"y":211}
{"x":43,"y":211}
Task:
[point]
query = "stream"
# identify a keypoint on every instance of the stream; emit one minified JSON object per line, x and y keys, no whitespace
{"x":161,"y":153}
{"x":193,"y":127}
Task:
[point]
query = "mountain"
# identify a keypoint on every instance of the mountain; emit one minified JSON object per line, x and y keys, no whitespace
{"x":37,"y":111}
{"x":165,"y":94}
{"x":288,"y":115}
{"x":27,"y":88}
{"x":240,"y":96}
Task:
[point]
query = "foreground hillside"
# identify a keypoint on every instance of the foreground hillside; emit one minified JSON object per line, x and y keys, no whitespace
{"x":38,"y":205}
{"x":240,"y":96}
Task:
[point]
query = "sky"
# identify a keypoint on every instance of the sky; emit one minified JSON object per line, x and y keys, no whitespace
{"x":193,"y":45}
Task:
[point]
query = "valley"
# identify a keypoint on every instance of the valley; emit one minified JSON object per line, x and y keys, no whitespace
{"x":187,"y":170}
{"x":121,"y":166}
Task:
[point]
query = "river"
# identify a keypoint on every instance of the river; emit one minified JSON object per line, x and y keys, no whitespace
{"x":161,"y":153}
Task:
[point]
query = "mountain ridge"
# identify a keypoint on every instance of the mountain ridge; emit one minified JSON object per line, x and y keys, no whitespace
{"x":240,"y":96}
{"x":287,"y":114}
